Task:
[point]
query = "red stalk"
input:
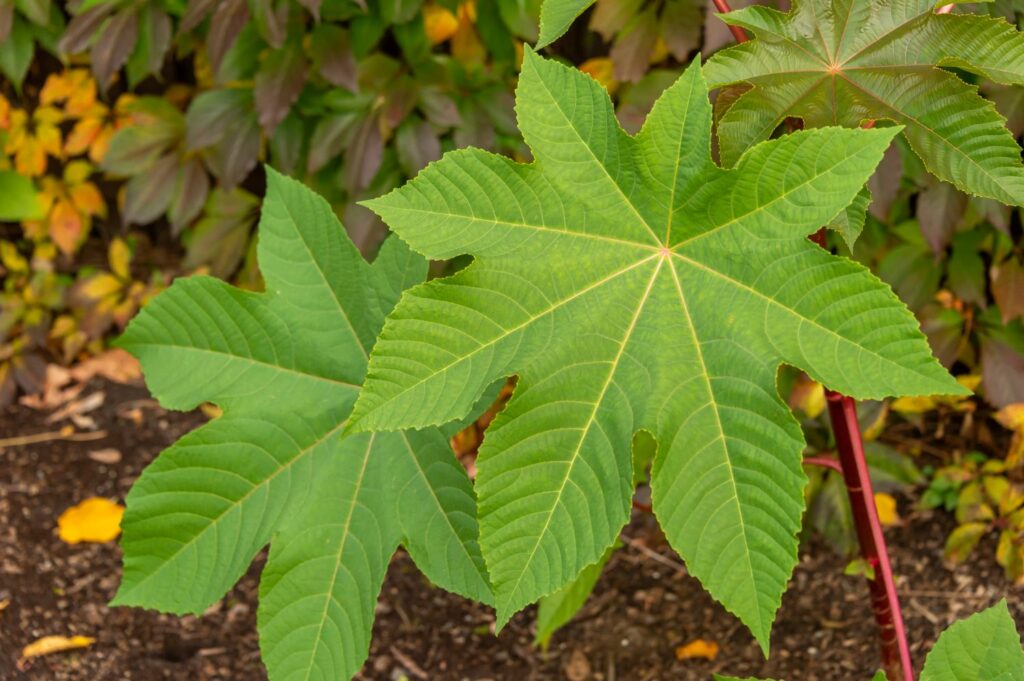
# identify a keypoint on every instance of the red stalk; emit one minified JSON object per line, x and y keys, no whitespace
{"x":854,"y":468}
{"x":884,"y":600}
{"x":737,"y":32}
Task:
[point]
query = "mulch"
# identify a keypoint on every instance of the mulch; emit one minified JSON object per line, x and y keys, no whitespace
{"x":643,"y":608}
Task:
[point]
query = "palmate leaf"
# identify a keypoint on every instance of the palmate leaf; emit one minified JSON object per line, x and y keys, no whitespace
{"x":844,"y":62}
{"x":285,"y":367}
{"x":983,"y":647}
{"x":633,"y":284}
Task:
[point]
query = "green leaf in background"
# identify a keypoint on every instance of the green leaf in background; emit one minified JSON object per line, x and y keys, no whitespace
{"x":632,"y":284}
{"x":843,"y":62}
{"x":983,"y":647}
{"x":556,"y":16}
{"x":555,"y":610}
{"x":16,"y":52}
{"x":18,"y":198}
{"x":285,"y":367}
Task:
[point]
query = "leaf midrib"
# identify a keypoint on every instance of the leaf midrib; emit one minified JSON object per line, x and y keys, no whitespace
{"x":739,"y":284}
{"x":329,"y":593}
{"x":323,"y":278}
{"x":585,"y":430}
{"x":440,"y":507}
{"x":705,"y":374}
{"x":301,"y":454}
{"x":241,"y":358}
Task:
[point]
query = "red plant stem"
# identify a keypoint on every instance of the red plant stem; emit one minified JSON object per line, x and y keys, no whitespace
{"x":737,"y":32}
{"x":884,"y":600}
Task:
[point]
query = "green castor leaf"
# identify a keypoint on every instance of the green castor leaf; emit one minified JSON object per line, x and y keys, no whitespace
{"x":844,"y":62}
{"x":285,"y":367}
{"x":633,"y":284}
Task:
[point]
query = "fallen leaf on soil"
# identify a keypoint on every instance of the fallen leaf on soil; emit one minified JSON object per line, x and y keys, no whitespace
{"x":578,"y":666}
{"x":886,"y":505}
{"x":94,"y":520}
{"x":698,"y":649}
{"x":55,"y":644}
{"x":107,"y":455}
{"x":115,"y":365}
{"x":54,"y":392}
{"x":78,"y":407}
{"x":4,"y":602}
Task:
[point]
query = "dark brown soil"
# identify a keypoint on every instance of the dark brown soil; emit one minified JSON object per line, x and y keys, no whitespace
{"x":643,"y":608}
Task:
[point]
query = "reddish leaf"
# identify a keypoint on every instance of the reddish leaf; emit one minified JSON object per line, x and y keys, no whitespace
{"x":147,"y":195}
{"x":332,"y":56}
{"x":1002,"y":368}
{"x":631,"y":53}
{"x":611,"y":16}
{"x":272,"y":21}
{"x":680,"y":26}
{"x":221,"y":236}
{"x":1008,"y":288}
{"x":939,"y":209}
{"x":364,"y":155}
{"x":212,"y":114}
{"x":1009,"y":101}
{"x":945,"y":329}
{"x":885,"y":183}
{"x":417,"y":145}
{"x":439,"y":108}
{"x":82,"y":28}
{"x":134,"y":149}
{"x":234,"y":156}
{"x":228,"y":20}
{"x":330,"y":136}
{"x":114,"y":44}
{"x":6,"y":18}
{"x":278,"y":84}
{"x":196,"y":11}
{"x":190,"y":190}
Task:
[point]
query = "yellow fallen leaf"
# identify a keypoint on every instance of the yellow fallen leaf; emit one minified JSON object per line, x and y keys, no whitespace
{"x":55,"y":644}
{"x":886,"y":505}
{"x":94,"y":520}
{"x":698,"y":649}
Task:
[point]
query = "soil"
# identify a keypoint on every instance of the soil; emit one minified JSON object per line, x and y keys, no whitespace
{"x":643,"y":608}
